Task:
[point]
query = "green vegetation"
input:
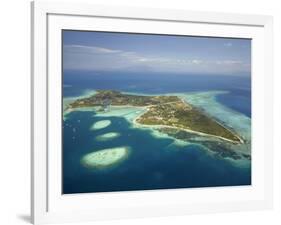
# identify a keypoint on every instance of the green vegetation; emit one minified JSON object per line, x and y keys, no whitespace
{"x":183,"y":116}
{"x":108,"y":97}
{"x":168,"y":111}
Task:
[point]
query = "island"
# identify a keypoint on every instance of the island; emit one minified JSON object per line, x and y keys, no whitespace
{"x":166,"y":112}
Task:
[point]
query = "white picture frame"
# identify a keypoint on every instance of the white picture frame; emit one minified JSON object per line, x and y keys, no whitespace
{"x":47,"y":204}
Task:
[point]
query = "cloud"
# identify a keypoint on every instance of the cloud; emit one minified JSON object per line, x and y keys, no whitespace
{"x":196,"y":61}
{"x":228,"y":62}
{"x":88,"y":49}
{"x":228,"y":44}
{"x":80,"y":57}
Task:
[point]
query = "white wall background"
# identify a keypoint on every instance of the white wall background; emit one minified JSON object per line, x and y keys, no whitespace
{"x":15,"y":104}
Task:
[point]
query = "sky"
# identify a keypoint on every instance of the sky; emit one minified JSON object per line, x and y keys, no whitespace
{"x":108,"y":51}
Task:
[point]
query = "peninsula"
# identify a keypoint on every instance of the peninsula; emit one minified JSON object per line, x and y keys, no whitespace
{"x":161,"y":111}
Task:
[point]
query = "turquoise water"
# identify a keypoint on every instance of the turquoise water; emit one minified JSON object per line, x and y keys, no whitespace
{"x":155,"y":160}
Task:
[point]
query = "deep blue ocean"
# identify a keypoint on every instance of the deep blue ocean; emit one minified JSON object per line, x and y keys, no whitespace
{"x":153,"y":163}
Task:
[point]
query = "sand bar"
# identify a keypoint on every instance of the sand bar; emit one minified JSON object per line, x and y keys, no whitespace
{"x":100,"y":124}
{"x":105,"y":158}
